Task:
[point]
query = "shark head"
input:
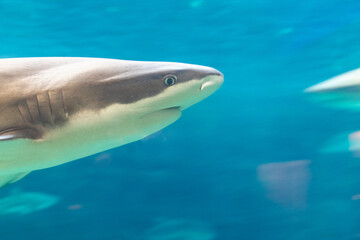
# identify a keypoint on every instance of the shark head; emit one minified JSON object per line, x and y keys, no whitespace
{"x":342,"y":91}
{"x":144,"y":86}
{"x":115,"y":91}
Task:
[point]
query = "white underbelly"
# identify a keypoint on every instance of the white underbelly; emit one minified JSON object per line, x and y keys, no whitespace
{"x":83,"y":137}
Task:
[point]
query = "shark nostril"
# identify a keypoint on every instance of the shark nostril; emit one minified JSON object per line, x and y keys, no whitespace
{"x":212,"y":82}
{"x":207,"y":84}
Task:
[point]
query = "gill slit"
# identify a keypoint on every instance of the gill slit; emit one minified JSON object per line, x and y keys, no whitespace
{"x":51,"y":111}
{"x":28,"y":109}
{"x":22,"y":116}
{"x":38,"y":109}
{"x":63,"y":103}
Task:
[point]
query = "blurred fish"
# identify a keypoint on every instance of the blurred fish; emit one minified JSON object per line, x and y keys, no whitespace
{"x":56,"y":110}
{"x":345,"y":142}
{"x":342,"y":91}
{"x":22,"y":203}
{"x":337,"y":144}
{"x":286,"y":182}
{"x":179,"y":229}
{"x":354,"y":139}
{"x":75,"y":207}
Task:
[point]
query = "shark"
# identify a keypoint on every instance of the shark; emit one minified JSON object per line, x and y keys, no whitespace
{"x":54,"y":110}
{"x":341,"y":91}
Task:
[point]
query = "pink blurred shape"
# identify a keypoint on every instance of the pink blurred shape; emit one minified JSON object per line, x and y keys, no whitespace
{"x":103,"y":157}
{"x":355,"y":197}
{"x":75,"y":207}
{"x":286,"y":183}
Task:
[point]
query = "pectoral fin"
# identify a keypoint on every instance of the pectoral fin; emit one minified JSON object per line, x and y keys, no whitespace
{"x":16,"y":133}
{"x":8,"y":179}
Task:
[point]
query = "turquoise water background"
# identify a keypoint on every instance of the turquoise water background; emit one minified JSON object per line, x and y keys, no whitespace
{"x":256,"y":160}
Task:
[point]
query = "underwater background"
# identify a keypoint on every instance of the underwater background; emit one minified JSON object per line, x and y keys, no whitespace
{"x":257,"y":160}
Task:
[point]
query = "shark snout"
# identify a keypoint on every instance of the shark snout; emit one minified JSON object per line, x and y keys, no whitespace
{"x":341,"y":91}
{"x":204,"y":83}
{"x":212,"y":81}
{"x":329,"y":86}
{"x":346,"y":81}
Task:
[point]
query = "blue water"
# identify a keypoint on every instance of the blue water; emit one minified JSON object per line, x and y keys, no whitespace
{"x":246,"y":163}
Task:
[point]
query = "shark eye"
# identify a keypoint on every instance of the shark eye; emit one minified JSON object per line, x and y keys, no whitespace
{"x":169,"y":80}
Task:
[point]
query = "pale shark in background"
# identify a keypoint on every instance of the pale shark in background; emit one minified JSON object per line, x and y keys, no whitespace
{"x":56,"y":110}
{"x":342,"y":91}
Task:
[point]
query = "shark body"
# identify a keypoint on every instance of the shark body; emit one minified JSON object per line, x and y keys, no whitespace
{"x":56,"y":110}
